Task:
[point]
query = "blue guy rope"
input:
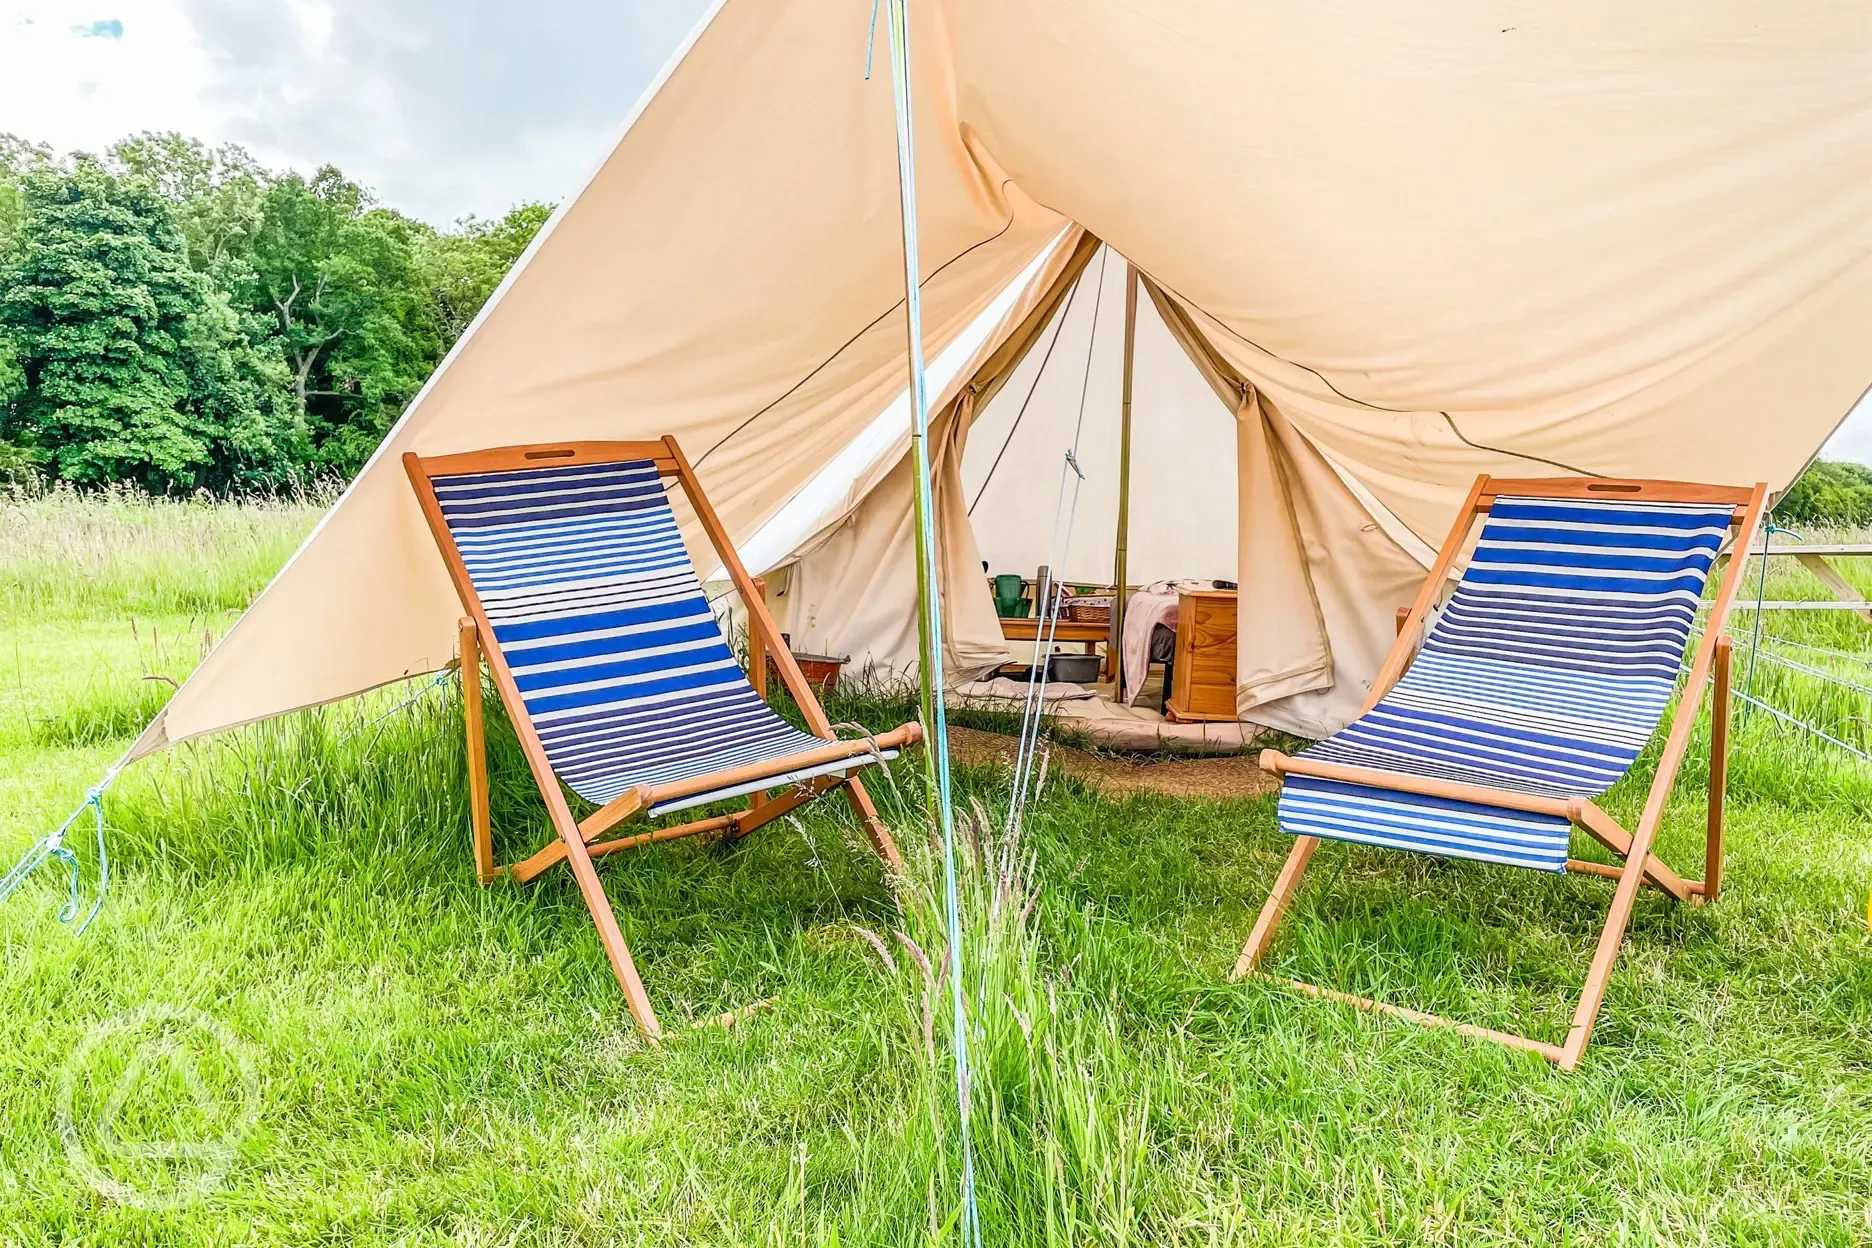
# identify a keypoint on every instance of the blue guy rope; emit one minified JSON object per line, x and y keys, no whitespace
{"x":52,"y":847}
{"x":871,"y":40}
{"x":929,"y":617}
{"x":440,"y":678}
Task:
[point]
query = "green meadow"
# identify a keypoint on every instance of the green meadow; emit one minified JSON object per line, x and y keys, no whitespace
{"x":298,"y":1019}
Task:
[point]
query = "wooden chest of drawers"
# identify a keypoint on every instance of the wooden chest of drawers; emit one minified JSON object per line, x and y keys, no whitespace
{"x":1203,"y":680}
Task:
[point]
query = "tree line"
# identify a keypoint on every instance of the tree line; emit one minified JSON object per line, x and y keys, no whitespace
{"x":181,"y":317}
{"x":1833,"y":493}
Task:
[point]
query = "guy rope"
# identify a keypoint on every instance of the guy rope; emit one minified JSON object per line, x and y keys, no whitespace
{"x":52,"y":846}
{"x":929,"y":613}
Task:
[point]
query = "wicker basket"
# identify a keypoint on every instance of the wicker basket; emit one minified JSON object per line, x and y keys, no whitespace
{"x":1089,"y":609}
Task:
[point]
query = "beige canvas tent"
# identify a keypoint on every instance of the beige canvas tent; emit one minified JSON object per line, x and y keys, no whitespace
{"x":1067,"y":393}
{"x":1402,"y":242}
{"x":1012,"y":494}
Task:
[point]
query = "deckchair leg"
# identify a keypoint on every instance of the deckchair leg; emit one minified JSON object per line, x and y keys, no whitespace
{"x":608,"y":934}
{"x":1285,"y":885}
{"x":757,"y":676}
{"x":1718,"y":769}
{"x":874,"y":828}
{"x":1611,"y":937}
{"x":479,"y":822}
{"x":1588,"y":818}
{"x":786,"y":802}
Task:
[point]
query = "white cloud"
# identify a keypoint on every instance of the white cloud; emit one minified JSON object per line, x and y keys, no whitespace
{"x":1853,"y":439}
{"x":443,"y":108}
{"x":62,"y":84}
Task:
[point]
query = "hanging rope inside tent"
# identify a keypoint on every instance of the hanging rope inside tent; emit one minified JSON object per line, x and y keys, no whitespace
{"x":1046,"y":629}
{"x":1059,"y":323}
{"x":52,"y":846}
{"x":1033,"y":707}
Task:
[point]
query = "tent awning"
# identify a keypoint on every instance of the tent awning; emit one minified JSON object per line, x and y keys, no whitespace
{"x":1431,"y":241}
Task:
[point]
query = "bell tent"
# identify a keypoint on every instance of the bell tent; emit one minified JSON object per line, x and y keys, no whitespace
{"x":1381,"y":248}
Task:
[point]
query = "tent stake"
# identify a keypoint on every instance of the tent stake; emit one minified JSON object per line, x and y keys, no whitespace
{"x":929,"y":616}
{"x":1121,"y":554}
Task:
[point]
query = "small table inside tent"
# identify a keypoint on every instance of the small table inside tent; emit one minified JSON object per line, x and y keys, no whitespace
{"x":1028,"y":629}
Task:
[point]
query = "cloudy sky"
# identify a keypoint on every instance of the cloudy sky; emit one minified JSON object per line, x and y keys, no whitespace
{"x":443,"y":107}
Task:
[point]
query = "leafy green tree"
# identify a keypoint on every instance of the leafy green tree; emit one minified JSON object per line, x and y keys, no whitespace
{"x":466,"y":264}
{"x":135,"y":366}
{"x":12,"y":377}
{"x":181,"y":316}
{"x":1831,"y":492}
{"x":17,"y":159}
{"x":215,"y":193}
{"x":22,"y":468}
{"x":342,"y":281}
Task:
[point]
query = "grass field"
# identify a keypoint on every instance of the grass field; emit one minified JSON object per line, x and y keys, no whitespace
{"x":296,"y":971}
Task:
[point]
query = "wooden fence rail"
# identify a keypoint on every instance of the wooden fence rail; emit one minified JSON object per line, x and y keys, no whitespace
{"x":1814,"y":557}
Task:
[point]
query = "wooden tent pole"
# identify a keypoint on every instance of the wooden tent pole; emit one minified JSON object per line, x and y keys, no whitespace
{"x":1121,"y":554}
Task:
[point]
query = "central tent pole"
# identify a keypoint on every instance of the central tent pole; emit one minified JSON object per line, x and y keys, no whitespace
{"x":929,"y":613}
{"x":1121,"y":556}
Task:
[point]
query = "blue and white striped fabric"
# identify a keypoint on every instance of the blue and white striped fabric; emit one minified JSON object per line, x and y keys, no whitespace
{"x":1545,"y":674}
{"x":594,"y":603}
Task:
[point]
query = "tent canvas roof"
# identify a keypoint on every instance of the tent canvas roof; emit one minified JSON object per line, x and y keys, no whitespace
{"x":1406,"y":242}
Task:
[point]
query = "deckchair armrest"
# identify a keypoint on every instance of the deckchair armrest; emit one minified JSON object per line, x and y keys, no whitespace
{"x":1569,"y":808}
{"x":644,"y":796}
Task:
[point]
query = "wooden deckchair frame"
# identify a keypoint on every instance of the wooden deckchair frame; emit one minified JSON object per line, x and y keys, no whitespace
{"x":579,"y":841}
{"x":1641,"y":866}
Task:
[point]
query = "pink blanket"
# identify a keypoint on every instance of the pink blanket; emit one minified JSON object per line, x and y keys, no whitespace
{"x":1152,"y":605}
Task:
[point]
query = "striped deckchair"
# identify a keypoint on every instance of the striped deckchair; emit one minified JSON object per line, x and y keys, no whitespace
{"x":1535,"y":688}
{"x":612,"y":666}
